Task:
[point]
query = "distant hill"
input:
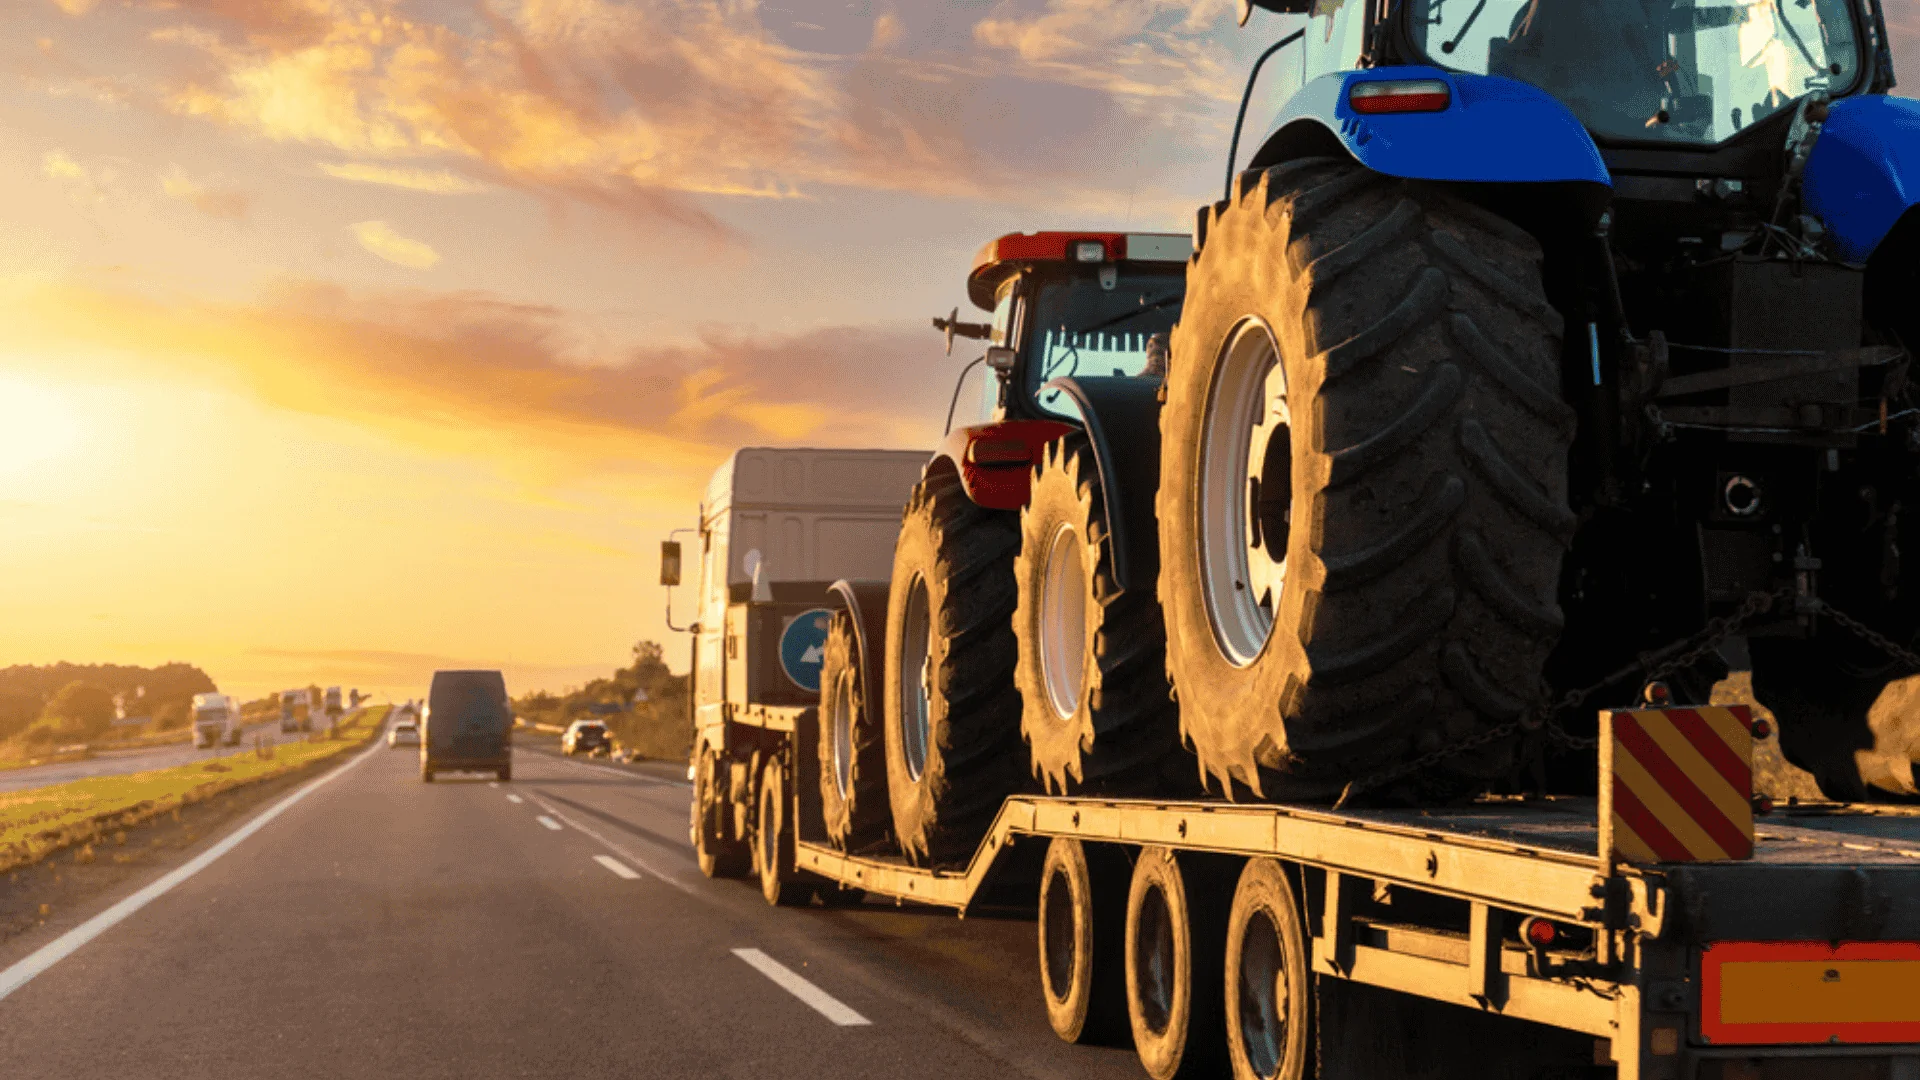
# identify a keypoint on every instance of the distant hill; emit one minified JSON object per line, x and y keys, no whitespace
{"x":157,"y":691}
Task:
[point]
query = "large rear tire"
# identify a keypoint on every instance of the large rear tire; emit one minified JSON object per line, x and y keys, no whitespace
{"x":1377,"y":580}
{"x":952,"y":712}
{"x":853,"y":753}
{"x":1095,"y":706}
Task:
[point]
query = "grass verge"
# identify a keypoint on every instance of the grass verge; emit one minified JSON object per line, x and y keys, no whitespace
{"x":40,"y":821}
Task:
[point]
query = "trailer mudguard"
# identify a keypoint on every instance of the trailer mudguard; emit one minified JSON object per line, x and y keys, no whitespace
{"x":1864,"y":173}
{"x":866,"y":602}
{"x":1493,"y":130}
{"x":1122,"y":417}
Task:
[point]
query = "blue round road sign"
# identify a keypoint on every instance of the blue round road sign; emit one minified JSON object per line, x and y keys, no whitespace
{"x":803,"y":646}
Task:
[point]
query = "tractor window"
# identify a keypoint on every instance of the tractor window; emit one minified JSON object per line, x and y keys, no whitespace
{"x":1688,"y":71}
{"x":1333,"y":39}
{"x":1082,"y":325}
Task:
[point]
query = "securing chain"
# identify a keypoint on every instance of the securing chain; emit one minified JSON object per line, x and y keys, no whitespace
{"x":1651,"y":667}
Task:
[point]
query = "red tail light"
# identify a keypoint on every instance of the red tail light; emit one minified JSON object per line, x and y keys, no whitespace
{"x":1400,"y":96}
{"x":999,"y":452}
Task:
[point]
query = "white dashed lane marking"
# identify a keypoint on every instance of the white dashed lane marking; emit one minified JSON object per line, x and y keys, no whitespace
{"x":817,"y":999}
{"x":515,"y":799}
{"x":619,"y":868}
{"x":549,"y":823}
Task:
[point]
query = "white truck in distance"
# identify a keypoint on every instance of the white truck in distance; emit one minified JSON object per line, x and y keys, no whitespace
{"x":216,"y":720}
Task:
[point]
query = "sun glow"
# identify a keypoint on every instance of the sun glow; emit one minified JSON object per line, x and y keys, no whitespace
{"x":38,"y":426}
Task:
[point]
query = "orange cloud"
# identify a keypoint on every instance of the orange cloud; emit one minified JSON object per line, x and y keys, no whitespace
{"x":379,"y":238}
{"x":213,"y":202}
{"x":472,"y":375}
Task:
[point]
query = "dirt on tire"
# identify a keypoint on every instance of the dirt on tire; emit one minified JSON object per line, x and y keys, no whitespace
{"x":1428,"y":512}
{"x":1122,"y":734}
{"x":853,"y":791}
{"x":949,"y":771}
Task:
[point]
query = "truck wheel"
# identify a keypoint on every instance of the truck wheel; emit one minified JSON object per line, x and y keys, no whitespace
{"x":1095,"y":708}
{"x":952,"y":713}
{"x":1174,"y":946}
{"x":1415,"y":604}
{"x":1268,"y":1004}
{"x":1082,"y":928}
{"x":773,"y":842}
{"x":853,"y":754}
{"x":506,"y":774}
{"x":718,"y":856}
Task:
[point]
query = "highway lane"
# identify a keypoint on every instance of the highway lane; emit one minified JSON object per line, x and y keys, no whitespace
{"x":382,"y":927}
{"x":121,"y":762}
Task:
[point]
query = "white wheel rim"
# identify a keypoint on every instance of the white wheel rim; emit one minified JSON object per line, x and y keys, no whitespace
{"x":840,"y":715}
{"x":916,"y":725}
{"x":1247,"y":433}
{"x":1063,"y":621}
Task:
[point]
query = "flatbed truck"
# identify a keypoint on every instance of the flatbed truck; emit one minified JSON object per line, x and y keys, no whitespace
{"x":1429,"y":933}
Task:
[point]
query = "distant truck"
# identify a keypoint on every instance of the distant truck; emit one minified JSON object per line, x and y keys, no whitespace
{"x":467,"y":725}
{"x":295,"y":711}
{"x":216,"y":720}
{"x":334,"y":708}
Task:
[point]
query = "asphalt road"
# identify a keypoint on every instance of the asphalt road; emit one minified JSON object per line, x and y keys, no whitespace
{"x":121,"y":762}
{"x":555,"y":926}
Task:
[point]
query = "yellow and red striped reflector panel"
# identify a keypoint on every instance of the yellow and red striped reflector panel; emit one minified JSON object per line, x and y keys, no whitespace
{"x":1677,"y":784}
{"x":1810,"y":992}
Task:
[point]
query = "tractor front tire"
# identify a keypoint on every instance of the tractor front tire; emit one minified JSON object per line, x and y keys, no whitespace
{"x":952,"y":712}
{"x":1363,"y":500}
{"x":853,"y":754}
{"x":1095,"y":707}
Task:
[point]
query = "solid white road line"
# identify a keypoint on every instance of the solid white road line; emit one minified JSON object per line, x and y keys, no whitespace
{"x":619,"y":868}
{"x":819,"y":1000}
{"x":549,"y":823}
{"x":515,"y":799}
{"x":43,"y":958}
{"x":625,"y":853}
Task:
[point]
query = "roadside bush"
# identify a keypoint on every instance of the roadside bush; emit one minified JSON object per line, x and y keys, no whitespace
{"x":81,"y":710}
{"x":172,"y":715}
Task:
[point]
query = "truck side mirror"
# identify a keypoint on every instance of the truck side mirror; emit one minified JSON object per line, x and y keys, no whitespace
{"x":670,"y":562}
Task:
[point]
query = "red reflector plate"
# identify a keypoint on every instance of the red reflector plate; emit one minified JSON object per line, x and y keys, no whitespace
{"x":999,"y":452}
{"x":1399,"y":96}
{"x":1754,"y":992}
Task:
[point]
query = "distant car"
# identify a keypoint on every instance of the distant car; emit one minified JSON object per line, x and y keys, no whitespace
{"x":404,"y":733}
{"x":586,"y":737}
{"x":467,"y":725}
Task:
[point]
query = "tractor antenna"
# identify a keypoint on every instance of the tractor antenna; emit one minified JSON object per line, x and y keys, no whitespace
{"x":1233,"y":147}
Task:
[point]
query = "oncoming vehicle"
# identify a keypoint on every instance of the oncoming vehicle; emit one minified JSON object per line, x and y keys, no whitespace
{"x":586,"y":737}
{"x":295,"y":711}
{"x":467,"y":725}
{"x":404,"y":732}
{"x":216,"y":720}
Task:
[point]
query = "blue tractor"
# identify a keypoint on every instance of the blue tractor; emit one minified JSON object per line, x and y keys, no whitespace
{"x":1535,"y":337}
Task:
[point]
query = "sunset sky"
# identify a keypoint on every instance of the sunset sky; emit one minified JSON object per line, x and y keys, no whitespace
{"x":341,"y":340}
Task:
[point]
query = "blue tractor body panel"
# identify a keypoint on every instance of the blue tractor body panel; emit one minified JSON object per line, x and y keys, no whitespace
{"x":1495,"y":130}
{"x":1864,"y":173}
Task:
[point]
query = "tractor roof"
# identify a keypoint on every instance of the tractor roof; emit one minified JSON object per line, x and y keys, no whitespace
{"x":999,"y":259}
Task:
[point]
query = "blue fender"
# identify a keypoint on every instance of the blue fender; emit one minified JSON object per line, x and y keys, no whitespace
{"x":1495,"y":130}
{"x":1864,"y":173}
{"x":1122,"y":418}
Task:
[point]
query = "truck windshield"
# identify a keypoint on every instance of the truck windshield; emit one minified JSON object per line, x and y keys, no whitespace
{"x":1684,"y":71}
{"x":1084,"y":326}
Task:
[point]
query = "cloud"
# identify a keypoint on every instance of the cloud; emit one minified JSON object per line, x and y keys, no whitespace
{"x":217,"y":203}
{"x":475,"y":376}
{"x":59,"y":165}
{"x":432,"y":181}
{"x":85,"y":185}
{"x":380,"y":239}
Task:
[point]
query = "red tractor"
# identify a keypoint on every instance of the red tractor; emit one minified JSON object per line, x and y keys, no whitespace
{"x":1065,"y":424}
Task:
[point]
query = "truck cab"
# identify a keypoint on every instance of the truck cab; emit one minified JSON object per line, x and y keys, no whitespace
{"x":216,"y":720}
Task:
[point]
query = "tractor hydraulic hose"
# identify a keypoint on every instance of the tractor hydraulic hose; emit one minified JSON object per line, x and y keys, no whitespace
{"x":957,"y":384}
{"x":1246,"y":97}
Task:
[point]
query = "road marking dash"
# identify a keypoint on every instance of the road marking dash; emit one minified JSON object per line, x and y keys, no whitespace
{"x":493,"y":783}
{"x":619,"y":868}
{"x":549,"y":823}
{"x":624,"y":852}
{"x":817,"y":999}
{"x":515,"y":799}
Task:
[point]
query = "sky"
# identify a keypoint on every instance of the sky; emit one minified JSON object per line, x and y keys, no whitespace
{"x":344,"y":340}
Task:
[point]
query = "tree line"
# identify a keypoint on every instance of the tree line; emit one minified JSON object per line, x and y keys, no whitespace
{"x":643,"y":704}
{"x":64,"y":701}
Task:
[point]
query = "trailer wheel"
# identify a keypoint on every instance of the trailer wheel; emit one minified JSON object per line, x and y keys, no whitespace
{"x":952,"y":712}
{"x":506,"y":774}
{"x":1095,"y":707}
{"x":853,"y":754}
{"x":1268,"y":1003}
{"x":1363,"y":502}
{"x":718,"y":856}
{"x":1082,"y":930}
{"x":1174,"y":950}
{"x":773,"y":842}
